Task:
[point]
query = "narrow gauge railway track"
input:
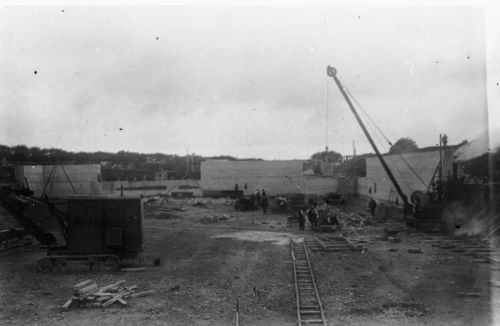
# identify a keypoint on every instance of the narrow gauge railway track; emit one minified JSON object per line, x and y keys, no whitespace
{"x":309,"y":309}
{"x":482,"y":252}
{"x":332,"y":243}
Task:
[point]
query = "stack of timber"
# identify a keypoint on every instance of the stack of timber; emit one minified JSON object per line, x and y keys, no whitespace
{"x":90,"y":295}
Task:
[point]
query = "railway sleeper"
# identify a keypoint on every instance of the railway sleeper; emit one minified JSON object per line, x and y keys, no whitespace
{"x":313,"y":321}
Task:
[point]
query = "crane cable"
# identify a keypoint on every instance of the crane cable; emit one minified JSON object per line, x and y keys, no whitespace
{"x":369,"y":118}
{"x":390,"y":161}
{"x":374,"y":125}
{"x":388,"y":141}
{"x":385,"y":137}
{"x":327,"y":99}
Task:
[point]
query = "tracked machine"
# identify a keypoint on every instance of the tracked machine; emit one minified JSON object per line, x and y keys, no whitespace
{"x":95,"y":230}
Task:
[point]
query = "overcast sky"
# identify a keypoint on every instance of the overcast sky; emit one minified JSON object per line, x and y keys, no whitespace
{"x":241,"y":81}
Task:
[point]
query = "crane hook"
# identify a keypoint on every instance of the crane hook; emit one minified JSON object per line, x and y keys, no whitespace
{"x":331,"y":71}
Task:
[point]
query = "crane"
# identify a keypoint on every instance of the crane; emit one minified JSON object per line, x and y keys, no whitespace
{"x":332,"y":72}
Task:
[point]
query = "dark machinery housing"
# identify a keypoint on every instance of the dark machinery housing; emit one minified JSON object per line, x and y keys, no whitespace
{"x":245,"y":203}
{"x":96,"y":230}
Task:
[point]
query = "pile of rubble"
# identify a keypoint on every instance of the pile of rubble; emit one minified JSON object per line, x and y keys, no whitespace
{"x":345,"y":219}
{"x":90,"y":295}
{"x":203,"y":202}
{"x":214,"y":218}
{"x":155,"y":200}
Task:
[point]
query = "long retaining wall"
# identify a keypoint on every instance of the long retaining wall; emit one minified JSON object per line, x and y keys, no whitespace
{"x":319,"y":185}
{"x":61,"y":181}
{"x":55,"y":179}
{"x":273,"y":176}
{"x":150,"y":188}
{"x":276,"y":177}
{"x":378,"y":185}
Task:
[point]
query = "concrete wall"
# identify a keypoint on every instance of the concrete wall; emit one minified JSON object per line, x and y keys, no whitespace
{"x":273,"y":176}
{"x":276,"y":177}
{"x":86,"y":179}
{"x":83,"y":177}
{"x":423,"y":163}
{"x":150,"y":188}
{"x":363,"y":186}
{"x":346,"y":185}
{"x":319,"y":185}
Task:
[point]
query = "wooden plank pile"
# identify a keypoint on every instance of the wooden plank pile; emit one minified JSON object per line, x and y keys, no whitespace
{"x":90,"y":295}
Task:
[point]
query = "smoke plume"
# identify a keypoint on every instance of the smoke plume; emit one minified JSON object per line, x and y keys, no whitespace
{"x":484,"y":142}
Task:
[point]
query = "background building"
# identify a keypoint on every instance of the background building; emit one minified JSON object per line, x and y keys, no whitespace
{"x":413,"y":171}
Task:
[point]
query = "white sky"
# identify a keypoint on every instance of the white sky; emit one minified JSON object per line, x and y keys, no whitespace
{"x":241,"y":81}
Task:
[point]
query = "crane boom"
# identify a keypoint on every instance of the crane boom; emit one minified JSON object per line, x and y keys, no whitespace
{"x":332,"y":72}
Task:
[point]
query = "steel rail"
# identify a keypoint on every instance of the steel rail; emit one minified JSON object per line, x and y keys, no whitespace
{"x":308,"y":304}
{"x":299,"y":321}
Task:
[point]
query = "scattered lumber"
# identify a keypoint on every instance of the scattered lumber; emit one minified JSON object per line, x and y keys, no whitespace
{"x":166,"y":209}
{"x":321,"y":244}
{"x":133,"y":269}
{"x":82,"y":284}
{"x":351,"y":244}
{"x":111,"y":286}
{"x":86,"y":290}
{"x":112,"y":300}
{"x":67,"y":303}
{"x":469,"y":294}
{"x":480,"y":260}
{"x":89,"y":294}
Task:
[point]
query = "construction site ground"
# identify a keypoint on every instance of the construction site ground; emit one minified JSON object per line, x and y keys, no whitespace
{"x":213,"y":256}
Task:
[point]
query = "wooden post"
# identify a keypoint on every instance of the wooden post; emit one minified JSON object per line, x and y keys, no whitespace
{"x":237,"y":320}
{"x":440,"y":157}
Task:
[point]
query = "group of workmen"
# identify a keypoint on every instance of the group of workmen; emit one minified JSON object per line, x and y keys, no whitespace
{"x":317,"y":214}
{"x":261,"y":200}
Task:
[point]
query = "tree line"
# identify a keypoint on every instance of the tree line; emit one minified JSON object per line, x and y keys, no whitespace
{"x":176,"y":166}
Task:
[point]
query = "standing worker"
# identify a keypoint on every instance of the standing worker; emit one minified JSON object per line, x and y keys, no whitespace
{"x":312,"y":214}
{"x":372,"y":205}
{"x":302,"y":220}
{"x":258,"y":197}
{"x":282,"y":203}
{"x":264,"y":203}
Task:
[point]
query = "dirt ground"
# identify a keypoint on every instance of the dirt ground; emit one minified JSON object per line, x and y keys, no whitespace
{"x":207,"y":265}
